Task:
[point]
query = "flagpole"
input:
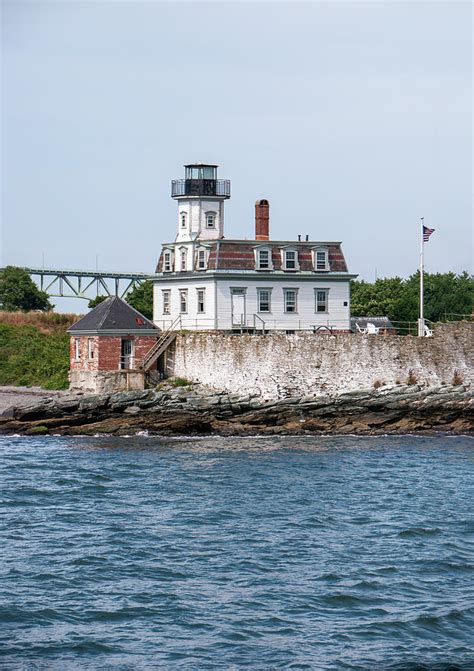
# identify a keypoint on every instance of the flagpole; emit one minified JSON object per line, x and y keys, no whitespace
{"x":421,"y":320}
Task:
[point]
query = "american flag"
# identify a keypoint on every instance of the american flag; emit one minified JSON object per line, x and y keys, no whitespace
{"x":427,"y":232}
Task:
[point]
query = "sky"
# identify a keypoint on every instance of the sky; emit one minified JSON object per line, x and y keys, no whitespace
{"x":352,"y":118}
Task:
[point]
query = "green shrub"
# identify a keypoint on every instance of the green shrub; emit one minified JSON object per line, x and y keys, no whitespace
{"x":30,"y":358}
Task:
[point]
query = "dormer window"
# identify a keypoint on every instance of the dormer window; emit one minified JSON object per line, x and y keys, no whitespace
{"x":290,"y":259}
{"x":183,"y":219}
{"x":263,"y":258}
{"x":321,"y":260}
{"x":210,"y":219}
{"x":201,"y":259}
{"x":167,"y":262}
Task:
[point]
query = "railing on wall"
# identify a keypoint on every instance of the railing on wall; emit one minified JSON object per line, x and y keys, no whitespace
{"x":200,"y":187}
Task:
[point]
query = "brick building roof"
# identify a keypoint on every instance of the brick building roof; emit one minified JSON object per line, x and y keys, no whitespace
{"x":240,"y":255}
{"x":113,"y":316}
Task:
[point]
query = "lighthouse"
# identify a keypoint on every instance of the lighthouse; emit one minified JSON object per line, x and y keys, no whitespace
{"x":205,"y":281}
{"x":200,"y":196}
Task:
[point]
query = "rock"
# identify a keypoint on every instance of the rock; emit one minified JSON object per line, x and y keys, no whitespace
{"x":132,"y":410}
{"x":8,"y":413}
{"x":129,"y":397}
{"x":33,"y":411}
{"x":68,"y":405}
{"x":399,"y":410}
{"x":91,"y":403}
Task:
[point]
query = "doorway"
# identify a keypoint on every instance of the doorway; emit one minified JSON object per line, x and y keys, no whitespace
{"x":127,"y":354}
{"x":238,"y":307}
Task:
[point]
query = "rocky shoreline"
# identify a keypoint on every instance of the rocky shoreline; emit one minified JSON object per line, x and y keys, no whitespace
{"x":193,"y":410}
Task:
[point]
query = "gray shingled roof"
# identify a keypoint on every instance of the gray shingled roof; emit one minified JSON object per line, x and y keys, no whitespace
{"x":113,"y":315}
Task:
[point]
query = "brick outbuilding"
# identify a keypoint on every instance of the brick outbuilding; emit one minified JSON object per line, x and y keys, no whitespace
{"x":108,"y":346}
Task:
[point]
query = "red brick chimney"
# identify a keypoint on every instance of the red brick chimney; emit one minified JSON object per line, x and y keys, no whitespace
{"x":262,"y":220}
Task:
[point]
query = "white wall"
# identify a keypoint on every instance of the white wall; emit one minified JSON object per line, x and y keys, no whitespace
{"x":195,"y":211}
{"x":304,"y":319}
{"x":338,"y":315}
{"x":190,"y":320}
{"x":277,"y":366}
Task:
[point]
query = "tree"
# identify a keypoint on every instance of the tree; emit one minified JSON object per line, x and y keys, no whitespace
{"x":446,"y":296}
{"x":141,"y":298}
{"x":94,"y":302}
{"x":19,"y":292}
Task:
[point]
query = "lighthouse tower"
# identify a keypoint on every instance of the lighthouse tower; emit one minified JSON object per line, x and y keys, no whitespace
{"x":200,"y":197}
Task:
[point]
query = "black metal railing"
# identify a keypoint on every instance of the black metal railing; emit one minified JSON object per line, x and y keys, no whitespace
{"x":200,"y":187}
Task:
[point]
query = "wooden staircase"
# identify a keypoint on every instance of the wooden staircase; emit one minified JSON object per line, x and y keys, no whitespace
{"x":163,"y":342}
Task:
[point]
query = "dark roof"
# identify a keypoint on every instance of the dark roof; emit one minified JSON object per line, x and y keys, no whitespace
{"x":381,"y":322}
{"x":240,"y":254}
{"x":115,"y":315}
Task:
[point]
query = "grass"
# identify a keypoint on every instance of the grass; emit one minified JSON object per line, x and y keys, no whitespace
{"x":180,"y":382}
{"x":34,"y":349}
{"x":46,"y":322}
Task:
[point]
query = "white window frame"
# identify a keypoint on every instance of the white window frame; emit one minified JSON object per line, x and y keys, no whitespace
{"x":259,"y":305}
{"x":290,"y":250}
{"x":201,"y":255}
{"x":90,"y":348}
{"x":211,"y":216}
{"x":183,"y":293}
{"x":77,"y":349}
{"x":316,"y":262}
{"x":198,"y":302}
{"x":167,"y":261}
{"x":316,"y":301}
{"x":183,"y":219}
{"x":183,"y":260}
{"x":265,"y":265}
{"x":166,"y":301}
{"x":285,"y":302}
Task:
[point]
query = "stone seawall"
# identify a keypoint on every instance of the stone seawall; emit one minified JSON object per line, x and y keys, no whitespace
{"x":280,"y":366}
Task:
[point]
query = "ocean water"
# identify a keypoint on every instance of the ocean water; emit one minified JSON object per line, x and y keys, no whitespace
{"x":237,"y":553}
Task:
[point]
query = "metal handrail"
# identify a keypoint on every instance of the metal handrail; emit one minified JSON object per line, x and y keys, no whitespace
{"x":200,"y":187}
{"x":161,"y":340}
{"x":255,"y":317}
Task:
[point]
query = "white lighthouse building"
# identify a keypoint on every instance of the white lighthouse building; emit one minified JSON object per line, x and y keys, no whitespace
{"x":204,"y":281}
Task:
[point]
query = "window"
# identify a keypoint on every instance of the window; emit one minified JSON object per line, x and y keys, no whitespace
{"x":183,"y":219}
{"x":263,"y":259}
{"x":184,"y":255}
{"x":90,"y":348}
{"x":201,"y":259}
{"x":77,"y":348}
{"x":263,"y":300}
{"x":210,"y":219}
{"x":201,"y":300}
{"x":290,"y":260}
{"x":167,"y":262}
{"x":290,"y":299}
{"x":321,"y":259}
{"x":126,"y":354}
{"x":321,"y":300}
{"x":183,"y":300}
{"x":166,"y":301}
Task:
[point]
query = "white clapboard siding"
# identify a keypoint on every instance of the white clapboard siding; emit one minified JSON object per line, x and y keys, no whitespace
{"x":219,"y":291}
{"x":306,"y":318}
{"x":191,"y":319}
